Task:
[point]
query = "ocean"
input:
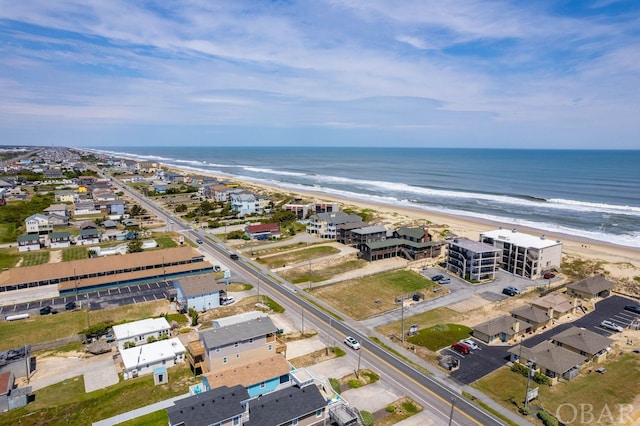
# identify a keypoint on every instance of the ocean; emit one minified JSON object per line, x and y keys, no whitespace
{"x":587,"y":193}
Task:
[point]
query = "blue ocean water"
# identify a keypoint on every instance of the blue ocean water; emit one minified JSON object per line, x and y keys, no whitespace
{"x":592,"y":194}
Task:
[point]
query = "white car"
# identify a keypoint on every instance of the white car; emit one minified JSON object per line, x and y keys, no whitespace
{"x":610,"y":325}
{"x":227,"y":301}
{"x":472,"y":345}
{"x":352,"y":343}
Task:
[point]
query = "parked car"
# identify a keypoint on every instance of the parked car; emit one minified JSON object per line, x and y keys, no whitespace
{"x":633,"y":308}
{"x":352,"y":343}
{"x":444,"y":281}
{"x":217,"y":268}
{"x":227,"y":301}
{"x":461,"y":347}
{"x":610,"y":325}
{"x":472,"y":345}
{"x":46,"y":310}
{"x":549,"y":275}
{"x":437,"y":277}
{"x":510,"y":291}
{"x":70,"y":306}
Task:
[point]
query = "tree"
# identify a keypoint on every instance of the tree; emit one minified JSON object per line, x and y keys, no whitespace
{"x":135,"y":246}
{"x":195,"y":316}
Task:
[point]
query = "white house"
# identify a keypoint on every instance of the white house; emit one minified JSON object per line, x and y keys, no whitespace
{"x":144,"y":359}
{"x":243,"y":203}
{"x":139,"y":331}
{"x":37,"y":223}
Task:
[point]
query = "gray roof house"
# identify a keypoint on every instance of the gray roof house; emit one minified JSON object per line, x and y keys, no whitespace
{"x":552,"y":361}
{"x":503,"y":328}
{"x":591,"y":287}
{"x":584,"y":342}
{"x":222,"y":405}
{"x":535,"y":317}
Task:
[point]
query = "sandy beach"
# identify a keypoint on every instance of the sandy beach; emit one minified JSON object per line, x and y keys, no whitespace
{"x":620,"y":262}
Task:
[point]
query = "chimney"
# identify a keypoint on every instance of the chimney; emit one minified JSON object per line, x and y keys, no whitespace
{"x":550,"y":312}
{"x":516,"y":325}
{"x":426,"y":235}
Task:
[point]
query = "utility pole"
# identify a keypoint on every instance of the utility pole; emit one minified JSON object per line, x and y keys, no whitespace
{"x":359,"y":356}
{"x":453,"y":404}
{"x":303,"y":320}
{"x":529,"y":373}
{"x":402,"y":314}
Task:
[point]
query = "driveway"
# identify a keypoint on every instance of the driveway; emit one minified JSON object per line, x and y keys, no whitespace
{"x":54,"y":370}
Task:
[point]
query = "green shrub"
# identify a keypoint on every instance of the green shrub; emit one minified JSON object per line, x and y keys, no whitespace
{"x":373,"y":377}
{"x":151,"y":339}
{"x":409,"y":407}
{"x":185,"y":330}
{"x":367,"y":418}
{"x":547,"y":419}
{"x":97,"y":330}
{"x":129,"y":345}
{"x":335,"y":384}
{"x":354,"y":384}
{"x":525,"y":411}
{"x":390,"y":409}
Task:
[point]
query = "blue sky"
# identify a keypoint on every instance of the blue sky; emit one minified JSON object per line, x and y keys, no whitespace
{"x":542,"y":74}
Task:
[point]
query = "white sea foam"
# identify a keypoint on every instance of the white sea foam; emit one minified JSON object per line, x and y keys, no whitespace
{"x":271,"y":171}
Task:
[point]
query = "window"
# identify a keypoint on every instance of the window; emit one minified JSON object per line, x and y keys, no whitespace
{"x":270,"y":346}
{"x":237,"y":355}
{"x":263,"y":385}
{"x":319,"y":413}
{"x":224,"y":360}
{"x":294,"y":422}
{"x":217,"y":348}
{"x":236,"y":421}
{"x":236,"y":345}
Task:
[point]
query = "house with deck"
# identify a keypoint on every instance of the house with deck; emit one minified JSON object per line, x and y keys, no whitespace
{"x":504,"y":329}
{"x":594,"y":346}
{"x":553,"y":361}
{"x":139,"y":332}
{"x":200,"y":292}
{"x":591,"y":288}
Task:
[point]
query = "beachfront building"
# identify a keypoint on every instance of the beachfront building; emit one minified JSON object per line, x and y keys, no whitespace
{"x":472,"y":260}
{"x":200,"y":292}
{"x":324,"y":225}
{"x":138,"y":333}
{"x":524,"y":255}
{"x":157,"y":356}
{"x":344,"y":232}
{"x":591,"y":288}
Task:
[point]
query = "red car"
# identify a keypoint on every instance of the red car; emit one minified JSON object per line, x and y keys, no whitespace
{"x":461,"y":347}
{"x":548,"y":276}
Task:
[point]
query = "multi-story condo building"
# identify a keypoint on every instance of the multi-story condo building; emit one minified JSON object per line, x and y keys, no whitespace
{"x":524,"y":255}
{"x":472,"y":260}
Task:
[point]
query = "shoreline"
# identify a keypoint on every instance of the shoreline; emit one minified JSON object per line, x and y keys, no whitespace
{"x":470,"y":227}
{"x":460,"y":225}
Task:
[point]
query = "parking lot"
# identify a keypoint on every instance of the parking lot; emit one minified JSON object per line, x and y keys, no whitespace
{"x":99,"y":299}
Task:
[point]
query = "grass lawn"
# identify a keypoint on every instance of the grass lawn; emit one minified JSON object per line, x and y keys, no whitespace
{"x":297,"y":256}
{"x":7,"y":232}
{"x":66,"y":403}
{"x":9,"y":258}
{"x":424,"y":320}
{"x":35,"y":258}
{"x":363,"y":297}
{"x":619,"y":385}
{"x":440,"y":335}
{"x":39,"y":329}
{"x":165,"y":242}
{"x":397,"y":411}
{"x":157,"y":418}
{"x":75,"y":253}
{"x":302,"y":275}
